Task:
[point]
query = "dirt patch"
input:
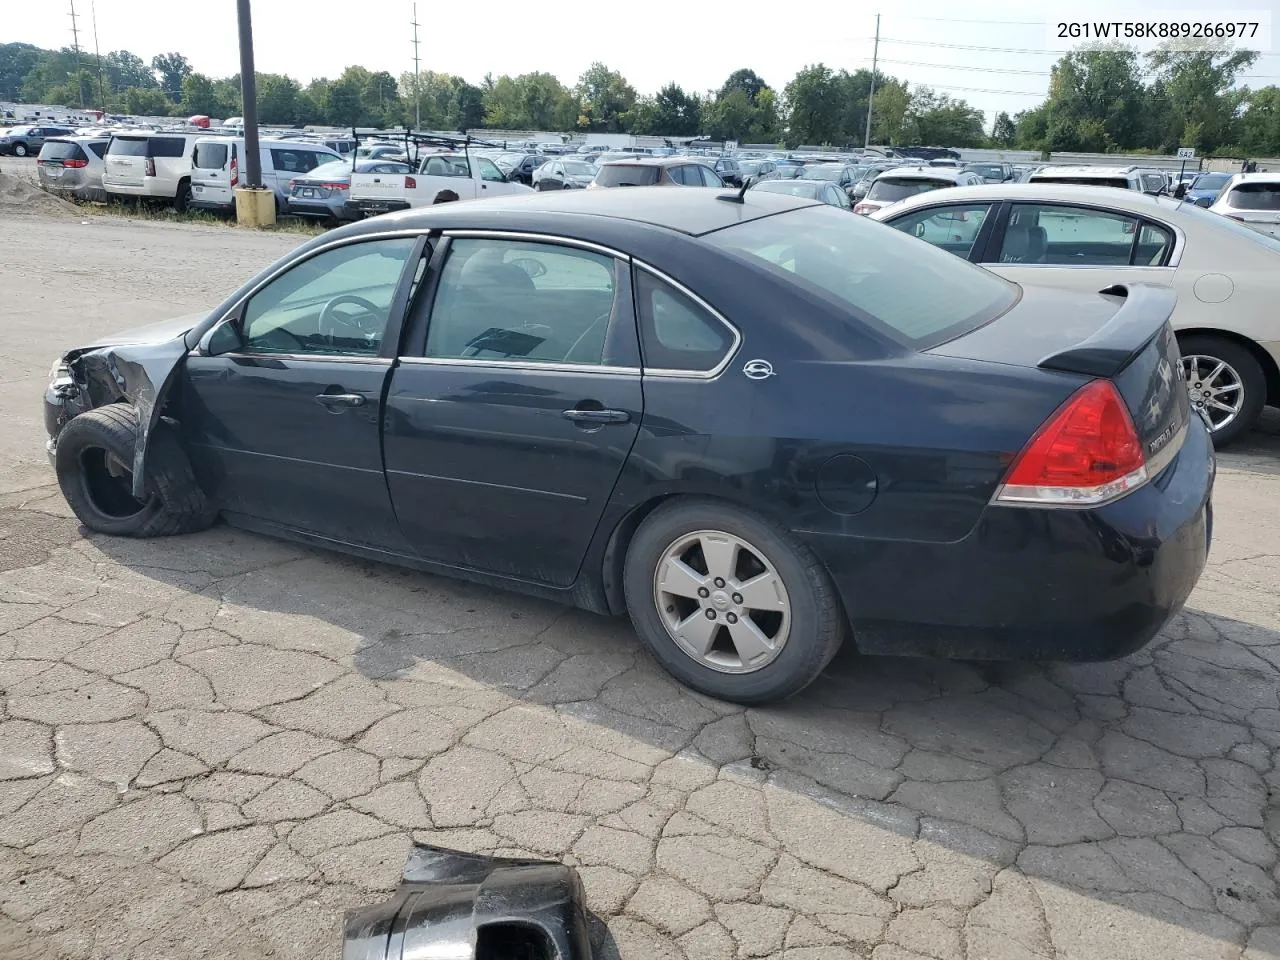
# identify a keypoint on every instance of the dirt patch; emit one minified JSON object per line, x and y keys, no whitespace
{"x":20,"y":196}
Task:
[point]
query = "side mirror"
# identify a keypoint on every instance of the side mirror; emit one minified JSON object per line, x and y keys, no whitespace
{"x":226,"y":337}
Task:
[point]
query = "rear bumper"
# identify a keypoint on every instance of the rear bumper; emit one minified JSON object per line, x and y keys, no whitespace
{"x":355,"y":209}
{"x":207,"y":204}
{"x":130,"y":190}
{"x":319,"y":208}
{"x":1036,"y":584}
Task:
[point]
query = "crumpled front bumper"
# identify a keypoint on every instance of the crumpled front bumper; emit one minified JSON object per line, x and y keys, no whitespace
{"x":464,"y":906}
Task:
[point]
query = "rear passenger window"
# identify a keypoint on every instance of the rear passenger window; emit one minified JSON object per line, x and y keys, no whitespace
{"x":1068,"y":236}
{"x":677,"y":333}
{"x":168,"y":146}
{"x":515,"y":300}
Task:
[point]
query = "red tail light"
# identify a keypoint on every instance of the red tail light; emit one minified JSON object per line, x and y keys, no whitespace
{"x":865,"y":208}
{"x":235,"y":171}
{"x":341,"y":186}
{"x":410,"y":183}
{"x":75,"y":164}
{"x":151,"y":167}
{"x":1086,"y":454}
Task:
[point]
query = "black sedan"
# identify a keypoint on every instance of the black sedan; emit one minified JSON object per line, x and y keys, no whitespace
{"x":757,"y":424}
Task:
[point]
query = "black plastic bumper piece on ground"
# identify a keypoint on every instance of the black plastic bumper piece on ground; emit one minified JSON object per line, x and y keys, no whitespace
{"x":462,"y":905}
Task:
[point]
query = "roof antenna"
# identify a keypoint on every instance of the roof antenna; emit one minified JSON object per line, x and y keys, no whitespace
{"x":736,"y":197}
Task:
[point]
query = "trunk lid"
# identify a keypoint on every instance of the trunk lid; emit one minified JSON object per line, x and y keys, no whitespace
{"x":126,"y":161}
{"x":1121,"y":334}
{"x":377,"y":186}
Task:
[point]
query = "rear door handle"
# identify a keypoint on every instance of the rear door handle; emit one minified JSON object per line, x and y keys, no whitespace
{"x":333,"y":400}
{"x":596,"y":416}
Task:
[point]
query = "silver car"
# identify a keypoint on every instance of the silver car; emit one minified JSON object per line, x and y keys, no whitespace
{"x":72,"y":166}
{"x":325,"y":190}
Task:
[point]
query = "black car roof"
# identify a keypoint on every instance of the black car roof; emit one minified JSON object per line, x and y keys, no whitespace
{"x":593,"y":214}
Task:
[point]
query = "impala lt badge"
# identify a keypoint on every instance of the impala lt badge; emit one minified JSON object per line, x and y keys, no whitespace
{"x":758,"y":369}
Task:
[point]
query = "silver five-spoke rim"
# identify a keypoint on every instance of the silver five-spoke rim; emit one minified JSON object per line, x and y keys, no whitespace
{"x":1215,"y":389}
{"x":722,"y":601}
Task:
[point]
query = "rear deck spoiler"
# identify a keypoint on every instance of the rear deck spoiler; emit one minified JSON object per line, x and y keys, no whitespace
{"x":1143,"y":314}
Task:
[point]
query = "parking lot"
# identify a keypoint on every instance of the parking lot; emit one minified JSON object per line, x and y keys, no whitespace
{"x":212,"y":746}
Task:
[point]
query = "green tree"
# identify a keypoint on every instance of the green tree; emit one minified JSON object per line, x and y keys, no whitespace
{"x":16,"y":61}
{"x":343,"y":106}
{"x":199,"y":95}
{"x":146,"y":102}
{"x":731,"y":117}
{"x":677,"y":112}
{"x":605,"y":97}
{"x":764,"y":126}
{"x":748,"y":81}
{"x":531,"y":101}
{"x":814,"y":106}
{"x":1004,"y":133}
{"x":937,"y":120}
{"x":278,"y":99}
{"x":124,"y":69}
{"x":173,"y":68}
{"x":1260,"y":124}
{"x":1199,"y":85}
{"x":888,"y":119}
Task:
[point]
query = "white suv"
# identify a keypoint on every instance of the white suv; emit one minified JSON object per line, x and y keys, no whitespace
{"x":148,"y":165}
{"x":898,"y":183}
{"x":1126,"y":178}
{"x":1252,"y":199}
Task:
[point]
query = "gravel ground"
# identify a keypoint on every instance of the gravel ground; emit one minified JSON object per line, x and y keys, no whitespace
{"x":211,"y":746}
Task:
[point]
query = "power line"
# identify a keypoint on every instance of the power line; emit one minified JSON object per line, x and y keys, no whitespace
{"x":1003,"y":23}
{"x":956,"y":66}
{"x":981,"y":49}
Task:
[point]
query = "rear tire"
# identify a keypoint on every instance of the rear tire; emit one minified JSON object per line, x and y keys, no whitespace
{"x":803,"y":633}
{"x":94,"y":462}
{"x":1241,"y":367}
{"x":182,"y":200}
{"x":19,"y":149}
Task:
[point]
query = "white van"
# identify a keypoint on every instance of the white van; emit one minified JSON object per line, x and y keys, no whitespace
{"x":218,"y":167}
{"x":149,"y":165}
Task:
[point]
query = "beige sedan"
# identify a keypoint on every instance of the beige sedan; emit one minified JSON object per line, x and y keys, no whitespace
{"x":1227,"y":276}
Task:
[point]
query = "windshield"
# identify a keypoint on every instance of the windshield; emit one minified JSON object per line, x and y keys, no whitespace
{"x":823,"y":173}
{"x":749,"y":167}
{"x":794,"y":188}
{"x":789,"y":172}
{"x":987,"y":171}
{"x":626,"y":175}
{"x":891,"y":190}
{"x":579,"y":170}
{"x":917,"y":294}
{"x":1210,"y":181}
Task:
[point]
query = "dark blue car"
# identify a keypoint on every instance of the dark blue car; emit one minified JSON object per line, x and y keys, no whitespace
{"x":1205,"y":188}
{"x":756,"y":424}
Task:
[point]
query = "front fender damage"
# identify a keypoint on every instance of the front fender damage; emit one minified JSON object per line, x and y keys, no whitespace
{"x":472,"y":907}
{"x":140,"y":374}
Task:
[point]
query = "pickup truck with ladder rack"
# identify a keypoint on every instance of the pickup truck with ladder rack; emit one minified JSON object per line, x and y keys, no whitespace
{"x":445,"y":171}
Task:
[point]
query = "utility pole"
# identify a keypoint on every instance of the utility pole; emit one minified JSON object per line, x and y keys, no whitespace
{"x":97,"y":52}
{"x":875,"y":56}
{"x":75,"y":45}
{"x":417,"y":97}
{"x":249,"y":95}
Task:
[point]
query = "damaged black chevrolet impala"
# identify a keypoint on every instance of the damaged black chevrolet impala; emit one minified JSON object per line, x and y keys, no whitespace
{"x":755,"y":424}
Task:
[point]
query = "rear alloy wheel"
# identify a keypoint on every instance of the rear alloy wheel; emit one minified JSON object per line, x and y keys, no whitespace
{"x":1225,"y":383}
{"x":19,"y":149}
{"x":731,"y":605}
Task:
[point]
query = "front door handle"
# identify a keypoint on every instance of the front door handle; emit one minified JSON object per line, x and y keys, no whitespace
{"x":335,"y":401}
{"x":596,"y":416}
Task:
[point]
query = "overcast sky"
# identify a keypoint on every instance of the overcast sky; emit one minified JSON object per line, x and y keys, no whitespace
{"x":694,"y":44}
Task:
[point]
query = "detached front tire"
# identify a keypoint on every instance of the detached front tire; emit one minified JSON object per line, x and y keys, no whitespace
{"x":729,"y":603}
{"x":94,"y":463}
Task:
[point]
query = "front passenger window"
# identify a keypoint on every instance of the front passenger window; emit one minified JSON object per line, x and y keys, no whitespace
{"x":954,"y":228}
{"x":335,"y":303}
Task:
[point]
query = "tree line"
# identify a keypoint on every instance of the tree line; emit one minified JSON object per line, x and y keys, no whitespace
{"x":1106,"y":98}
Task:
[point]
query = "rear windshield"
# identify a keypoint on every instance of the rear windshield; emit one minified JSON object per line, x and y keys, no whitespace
{"x":1121,"y":182}
{"x":823,"y":173}
{"x":211,"y":156}
{"x":988,"y":171}
{"x":891,"y":189}
{"x":1210,"y":181}
{"x":794,"y":188}
{"x":915,"y":293}
{"x":1255,"y":196}
{"x":626,"y":175}
{"x":128,"y":147}
{"x":61,"y":150}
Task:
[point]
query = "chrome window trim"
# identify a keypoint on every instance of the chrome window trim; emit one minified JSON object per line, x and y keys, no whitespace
{"x":289,"y":265}
{"x":720,"y":367}
{"x":240,"y":355}
{"x":473,"y":234}
{"x":595,"y":369}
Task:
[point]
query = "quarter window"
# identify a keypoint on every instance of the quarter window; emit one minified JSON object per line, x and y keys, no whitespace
{"x":168,"y":146}
{"x":337,"y":302}
{"x":676,"y":333}
{"x":526,"y":301}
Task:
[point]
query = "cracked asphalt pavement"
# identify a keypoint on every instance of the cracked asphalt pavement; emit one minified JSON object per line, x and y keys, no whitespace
{"x":211,"y":746}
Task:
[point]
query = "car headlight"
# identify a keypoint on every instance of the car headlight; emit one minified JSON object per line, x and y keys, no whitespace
{"x":59,"y":370}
